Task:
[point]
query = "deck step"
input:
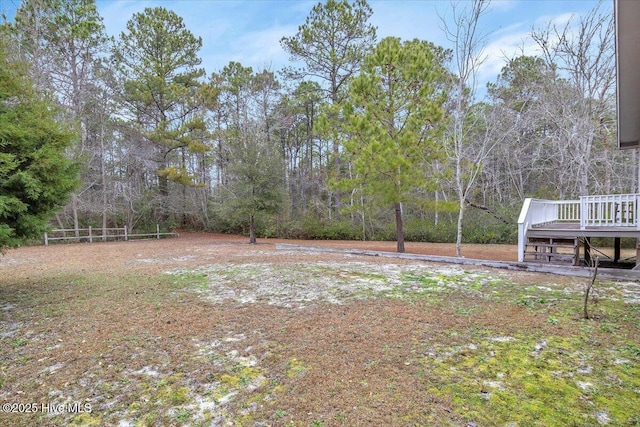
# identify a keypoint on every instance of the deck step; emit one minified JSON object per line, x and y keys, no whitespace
{"x":551,"y":245}
{"x":548,"y":257}
{"x":554,"y":240}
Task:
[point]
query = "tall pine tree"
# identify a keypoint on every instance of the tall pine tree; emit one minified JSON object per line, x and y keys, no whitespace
{"x":157,"y":60}
{"x":393,"y":112}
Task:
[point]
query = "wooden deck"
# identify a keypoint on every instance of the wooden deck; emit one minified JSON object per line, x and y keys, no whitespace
{"x":573,"y":229}
{"x":551,"y":230}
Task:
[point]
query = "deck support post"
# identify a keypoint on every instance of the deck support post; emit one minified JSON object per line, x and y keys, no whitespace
{"x":616,"y":250}
{"x":637,"y":252}
{"x":587,"y":250}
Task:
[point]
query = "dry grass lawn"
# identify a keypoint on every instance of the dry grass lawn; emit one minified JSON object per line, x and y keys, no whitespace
{"x":206,"y":330}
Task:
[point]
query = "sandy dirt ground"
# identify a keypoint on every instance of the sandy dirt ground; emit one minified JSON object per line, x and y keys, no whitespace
{"x":193,"y":249}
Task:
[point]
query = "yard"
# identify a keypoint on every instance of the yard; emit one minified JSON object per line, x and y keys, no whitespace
{"x":208,"y":330}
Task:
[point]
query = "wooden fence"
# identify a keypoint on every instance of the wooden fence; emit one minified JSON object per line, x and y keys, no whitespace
{"x":100,"y":234}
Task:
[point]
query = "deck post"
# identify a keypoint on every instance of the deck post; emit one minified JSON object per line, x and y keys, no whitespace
{"x":616,"y":249}
{"x":587,"y":250}
{"x":523,"y":226}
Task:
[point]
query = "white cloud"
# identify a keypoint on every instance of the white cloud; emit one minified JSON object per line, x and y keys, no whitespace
{"x":515,"y":40}
{"x":258,"y":49}
{"x":249,"y":32}
{"x":499,"y":51}
{"x":504,"y":5}
{"x":558,"y":20}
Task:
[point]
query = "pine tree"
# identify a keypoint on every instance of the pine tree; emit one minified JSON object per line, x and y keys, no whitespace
{"x":332,"y":43}
{"x":393,"y":113}
{"x":255,"y":172}
{"x":157,"y":62}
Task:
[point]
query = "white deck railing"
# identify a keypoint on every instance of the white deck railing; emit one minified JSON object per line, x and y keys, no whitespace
{"x":613,"y":210}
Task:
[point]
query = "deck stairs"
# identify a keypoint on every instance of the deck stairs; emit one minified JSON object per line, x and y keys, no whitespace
{"x":554,"y":250}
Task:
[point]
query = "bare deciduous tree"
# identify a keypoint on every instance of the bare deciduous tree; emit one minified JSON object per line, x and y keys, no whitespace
{"x":581,"y":100}
{"x":468,"y":141}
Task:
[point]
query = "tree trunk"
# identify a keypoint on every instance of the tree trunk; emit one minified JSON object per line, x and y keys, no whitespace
{"x":163,"y":190}
{"x":337,"y":197}
{"x":59,"y":221}
{"x":74,"y":210}
{"x":103,"y":178}
{"x":459,"y":233}
{"x":363,"y":216}
{"x":435,"y":215}
{"x":587,"y":290}
{"x":252,"y":229}
{"x":399,"y":228}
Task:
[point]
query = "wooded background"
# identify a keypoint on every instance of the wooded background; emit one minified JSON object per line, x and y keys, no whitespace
{"x":360,"y":138}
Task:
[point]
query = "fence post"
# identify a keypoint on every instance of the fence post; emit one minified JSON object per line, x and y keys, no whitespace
{"x":90,"y":235}
{"x":126,"y":236}
{"x":158,"y":231}
{"x":46,"y":239}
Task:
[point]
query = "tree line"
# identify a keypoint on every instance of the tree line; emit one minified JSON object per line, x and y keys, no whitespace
{"x":368,"y":139}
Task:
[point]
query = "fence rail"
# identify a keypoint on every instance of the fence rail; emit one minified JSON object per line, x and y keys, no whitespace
{"x":100,"y":234}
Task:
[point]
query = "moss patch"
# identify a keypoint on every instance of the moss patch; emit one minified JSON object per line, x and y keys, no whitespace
{"x":534,"y":380}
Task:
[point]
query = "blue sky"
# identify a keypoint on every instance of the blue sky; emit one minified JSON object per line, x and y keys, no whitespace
{"x":249,"y":31}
